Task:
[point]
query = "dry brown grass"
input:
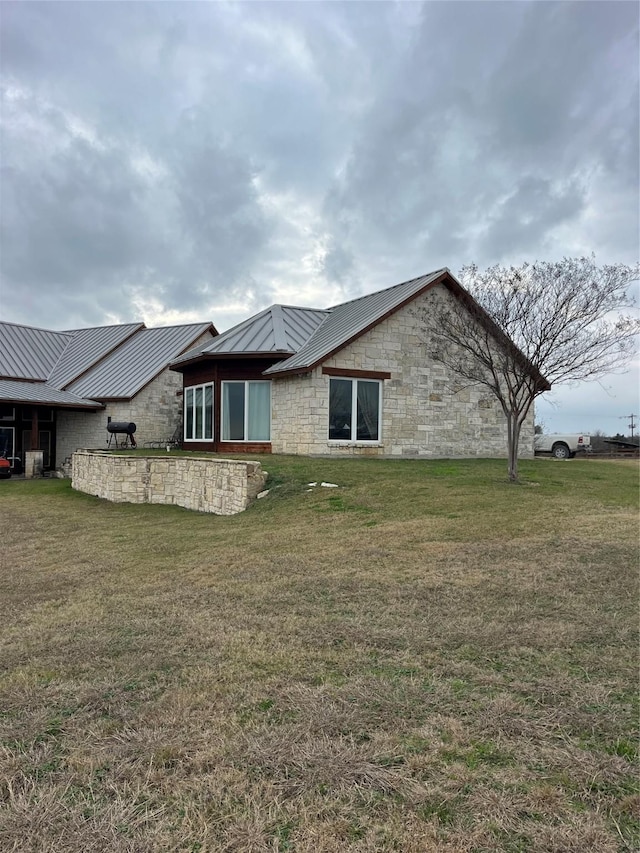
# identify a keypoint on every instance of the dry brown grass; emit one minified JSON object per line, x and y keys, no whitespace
{"x":426,"y":659}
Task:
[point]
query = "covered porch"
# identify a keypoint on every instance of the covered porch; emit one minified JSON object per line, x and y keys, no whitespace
{"x":28,"y":422}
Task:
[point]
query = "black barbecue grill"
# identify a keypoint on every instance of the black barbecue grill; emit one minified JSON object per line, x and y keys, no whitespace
{"x":116,"y":428}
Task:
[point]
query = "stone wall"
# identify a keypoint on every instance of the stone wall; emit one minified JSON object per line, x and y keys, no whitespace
{"x":425,"y":411}
{"x":220,"y":486}
{"x":156,"y":412}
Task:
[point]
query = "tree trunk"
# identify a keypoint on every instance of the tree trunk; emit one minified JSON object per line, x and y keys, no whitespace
{"x":513,"y":440}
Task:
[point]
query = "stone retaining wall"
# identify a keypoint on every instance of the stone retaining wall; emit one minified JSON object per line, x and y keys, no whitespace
{"x":220,"y":486}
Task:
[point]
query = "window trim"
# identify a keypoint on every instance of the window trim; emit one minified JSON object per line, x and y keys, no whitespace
{"x":354,"y":440}
{"x":348,"y":373}
{"x":246,"y":383}
{"x":194,"y":388}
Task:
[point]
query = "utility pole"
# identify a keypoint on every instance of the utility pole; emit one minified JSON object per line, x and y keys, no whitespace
{"x":632,"y":423}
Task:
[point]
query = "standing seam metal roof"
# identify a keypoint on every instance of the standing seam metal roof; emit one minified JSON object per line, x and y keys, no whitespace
{"x":137,"y":361}
{"x":29,"y":353}
{"x":300,"y":324}
{"x":73,"y":368}
{"x":349,"y":319}
{"x":277,"y":329}
{"x":87,"y":346}
{"x":17,"y":391}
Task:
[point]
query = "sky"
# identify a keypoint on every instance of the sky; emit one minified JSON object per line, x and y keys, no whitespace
{"x":180,"y":162}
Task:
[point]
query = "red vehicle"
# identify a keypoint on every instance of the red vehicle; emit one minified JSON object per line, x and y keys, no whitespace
{"x":5,"y":468}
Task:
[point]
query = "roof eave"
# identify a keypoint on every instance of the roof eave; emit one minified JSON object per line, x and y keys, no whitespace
{"x":229,"y":356}
{"x":81,"y":407}
{"x":293,"y":371}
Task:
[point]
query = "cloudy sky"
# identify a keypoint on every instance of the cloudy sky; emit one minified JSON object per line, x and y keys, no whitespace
{"x":175,"y":162}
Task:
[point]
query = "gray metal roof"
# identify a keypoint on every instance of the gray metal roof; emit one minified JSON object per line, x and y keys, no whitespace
{"x":86,"y":347}
{"x":16,"y":391}
{"x":300,"y":324}
{"x":137,"y":361}
{"x":279,"y":329}
{"x":28,"y":353}
{"x":347,"y":321}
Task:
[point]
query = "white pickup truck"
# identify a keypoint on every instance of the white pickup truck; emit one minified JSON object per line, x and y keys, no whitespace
{"x":562,"y":446}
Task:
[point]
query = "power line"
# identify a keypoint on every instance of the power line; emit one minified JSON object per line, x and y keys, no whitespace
{"x":632,"y":422}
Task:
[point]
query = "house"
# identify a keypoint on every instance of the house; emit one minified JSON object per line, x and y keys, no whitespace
{"x":354,"y":379}
{"x":59,"y":389}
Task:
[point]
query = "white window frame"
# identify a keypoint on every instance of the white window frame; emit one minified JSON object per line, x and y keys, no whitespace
{"x":354,"y":412}
{"x":244,"y":382}
{"x":194,"y":388}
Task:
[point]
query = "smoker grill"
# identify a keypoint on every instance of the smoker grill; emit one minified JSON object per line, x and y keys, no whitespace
{"x":116,"y":428}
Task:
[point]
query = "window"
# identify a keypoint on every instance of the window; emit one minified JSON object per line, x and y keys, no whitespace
{"x":41,"y":413}
{"x":7,"y":413}
{"x":246,"y":411}
{"x":7,"y":443}
{"x":354,"y":409}
{"x":198,"y":413}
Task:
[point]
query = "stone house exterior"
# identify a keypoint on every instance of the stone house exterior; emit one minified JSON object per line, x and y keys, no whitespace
{"x":351,"y":380}
{"x":58,"y":390}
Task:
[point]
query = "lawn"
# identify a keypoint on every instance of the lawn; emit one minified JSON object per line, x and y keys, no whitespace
{"x":427,"y":658}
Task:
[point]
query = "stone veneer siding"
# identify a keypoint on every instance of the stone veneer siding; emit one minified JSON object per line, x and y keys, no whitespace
{"x":422,"y":412}
{"x":156,"y":411}
{"x":220,"y":486}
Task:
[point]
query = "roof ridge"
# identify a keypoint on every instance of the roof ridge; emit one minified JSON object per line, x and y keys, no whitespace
{"x":205,"y":323}
{"x":36,"y":328}
{"x":387,"y":289}
{"x":301,"y":308}
{"x":253,"y":317}
{"x":279,"y":334}
{"x":109,"y":326}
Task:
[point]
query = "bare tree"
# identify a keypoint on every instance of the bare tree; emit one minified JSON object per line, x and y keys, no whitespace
{"x":518,"y":331}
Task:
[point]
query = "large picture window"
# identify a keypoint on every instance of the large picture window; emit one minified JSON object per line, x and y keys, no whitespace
{"x":246,"y":411}
{"x":198,"y":413}
{"x":354,"y":410}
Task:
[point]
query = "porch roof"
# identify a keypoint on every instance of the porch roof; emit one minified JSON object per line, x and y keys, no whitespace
{"x":43,"y":394}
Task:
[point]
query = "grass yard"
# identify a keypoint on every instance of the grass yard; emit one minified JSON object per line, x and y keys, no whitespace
{"x":424,"y":659}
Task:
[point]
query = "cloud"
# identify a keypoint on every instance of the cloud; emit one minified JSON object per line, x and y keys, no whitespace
{"x":521,"y":222}
{"x":199,"y":161}
{"x":93,"y":218}
{"x":505,"y":123}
